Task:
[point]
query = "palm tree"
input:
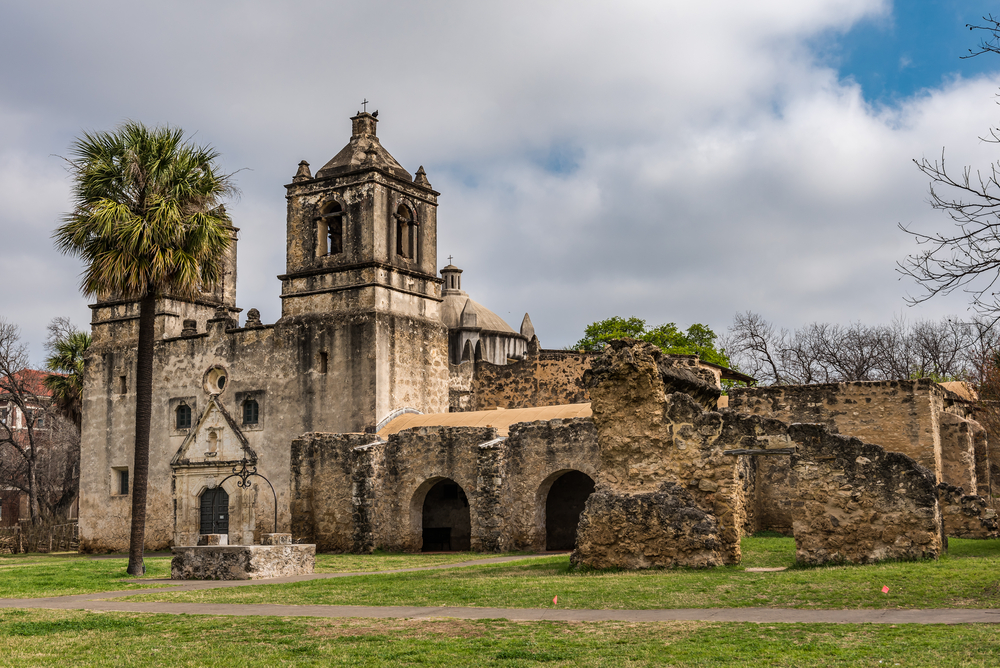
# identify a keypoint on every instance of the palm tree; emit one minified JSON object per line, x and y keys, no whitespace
{"x":66,"y":381}
{"x":147,"y":222}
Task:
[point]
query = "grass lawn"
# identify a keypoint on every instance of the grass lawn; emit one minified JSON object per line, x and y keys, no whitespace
{"x":72,"y":638}
{"x":382,"y":561}
{"x":39,"y":575}
{"x":969,"y":576}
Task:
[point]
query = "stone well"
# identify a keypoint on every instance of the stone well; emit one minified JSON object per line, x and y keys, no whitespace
{"x":216,"y":560}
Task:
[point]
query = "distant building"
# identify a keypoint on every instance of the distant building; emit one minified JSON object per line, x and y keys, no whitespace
{"x":14,"y":421}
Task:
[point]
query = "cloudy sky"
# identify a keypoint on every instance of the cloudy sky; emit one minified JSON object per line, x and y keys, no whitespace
{"x":672,"y":160}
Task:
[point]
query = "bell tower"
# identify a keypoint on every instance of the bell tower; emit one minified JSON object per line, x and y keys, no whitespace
{"x":361,"y":277}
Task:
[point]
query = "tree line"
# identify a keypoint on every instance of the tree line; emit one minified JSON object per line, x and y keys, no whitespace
{"x":948,"y":349}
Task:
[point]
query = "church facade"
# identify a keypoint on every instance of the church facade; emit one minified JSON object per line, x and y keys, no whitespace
{"x":368,"y":330}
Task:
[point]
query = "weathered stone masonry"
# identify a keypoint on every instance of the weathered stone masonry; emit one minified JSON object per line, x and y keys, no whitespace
{"x":669,"y":494}
{"x":353,"y":493}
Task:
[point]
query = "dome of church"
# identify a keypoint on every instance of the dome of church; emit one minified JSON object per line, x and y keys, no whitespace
{"x":455,"y":304}
{"x":473,"y":329}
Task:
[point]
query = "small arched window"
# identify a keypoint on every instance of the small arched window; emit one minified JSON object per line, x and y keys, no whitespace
{"x":183,"y":417}
{"x":330,"y":230}
{"x":251,"y":411}
{"x":406,"y":233}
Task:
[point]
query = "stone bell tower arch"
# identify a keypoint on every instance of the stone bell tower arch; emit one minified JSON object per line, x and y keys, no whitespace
{"x":361,"y":281}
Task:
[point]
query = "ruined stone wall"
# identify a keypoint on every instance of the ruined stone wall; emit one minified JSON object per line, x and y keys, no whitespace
{"x":412,"y":462}
{"x":773,"y":495}
{"x":537,"y":454}
{"x":550,"y":378}
{"x":460,"y":386}
{"x":353,"y":494}
{"x":324,"y":491}
{"x":966,"y":515}
{"x":857,"y":503}
{"x":916,"y":417}
{"x":658,"y":451}
{"x":668,"y":494}
{"x":901,"y":416}
{"x":958,"y":451}
{"x":554,"y":377}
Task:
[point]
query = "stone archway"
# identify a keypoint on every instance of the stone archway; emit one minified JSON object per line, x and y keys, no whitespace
{"x":446,"y":524}
{"x":564,"y":502}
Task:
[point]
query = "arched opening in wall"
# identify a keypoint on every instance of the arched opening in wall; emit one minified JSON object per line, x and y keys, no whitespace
{"x":214,"y":511}
{"x":330,"y":230}
{"x":406,"y":232}
{"x":445,"y":520}
{"x":563,"y":505}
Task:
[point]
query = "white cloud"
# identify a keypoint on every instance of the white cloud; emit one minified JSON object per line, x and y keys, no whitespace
{"x":673,"y":160}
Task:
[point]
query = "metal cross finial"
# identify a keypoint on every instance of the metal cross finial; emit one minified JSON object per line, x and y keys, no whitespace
{"x":449,"y":259}
{"x":364,"y":105}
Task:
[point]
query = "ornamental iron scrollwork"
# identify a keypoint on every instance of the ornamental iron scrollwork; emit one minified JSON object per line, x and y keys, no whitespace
{"x":244,"y":471}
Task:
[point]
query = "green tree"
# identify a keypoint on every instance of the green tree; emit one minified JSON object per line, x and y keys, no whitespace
{"x":697,"y":340}
{"x":146,"y":222}
{"x":67,"y":347}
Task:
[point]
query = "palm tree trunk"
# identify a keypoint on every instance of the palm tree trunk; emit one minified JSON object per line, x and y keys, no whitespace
{"x":143,"y":414}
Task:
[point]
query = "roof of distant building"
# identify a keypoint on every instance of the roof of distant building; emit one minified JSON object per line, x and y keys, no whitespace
{"x":34,"y":381}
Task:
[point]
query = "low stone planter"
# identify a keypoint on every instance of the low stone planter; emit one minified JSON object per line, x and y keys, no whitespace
{"x":241,"y":562}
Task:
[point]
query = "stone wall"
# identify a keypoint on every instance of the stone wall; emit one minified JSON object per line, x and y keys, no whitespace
{"x":542,"y":378}
{"x":324,"y":489}
{"x":901,"y":416}
{"x":676,"y":484}
{"x":555,"y":377}
{"x":651,"y":442}
{"x":966,"y":515}
{"x":919,"y":418}
{"x":536,"y":455}
{"x":857,"y":503}
{"x":353,"y":494}
{"x":958,"y":450}
{"x":647,"y":530}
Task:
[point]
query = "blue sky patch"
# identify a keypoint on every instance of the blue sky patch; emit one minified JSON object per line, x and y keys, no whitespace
{"x":918,"y":46}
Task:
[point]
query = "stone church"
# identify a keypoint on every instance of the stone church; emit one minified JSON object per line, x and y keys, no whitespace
{"x":388,"y":409}
{"x":369,"y":331}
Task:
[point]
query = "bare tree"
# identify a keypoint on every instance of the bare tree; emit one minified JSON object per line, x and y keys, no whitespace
{"x":22,"y":394}
{"x":826,"y":353}
{"x":753,"y":346}
{"x":989,"y":43}
{"x":966,"y":257}
{"x":39,"y":442}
